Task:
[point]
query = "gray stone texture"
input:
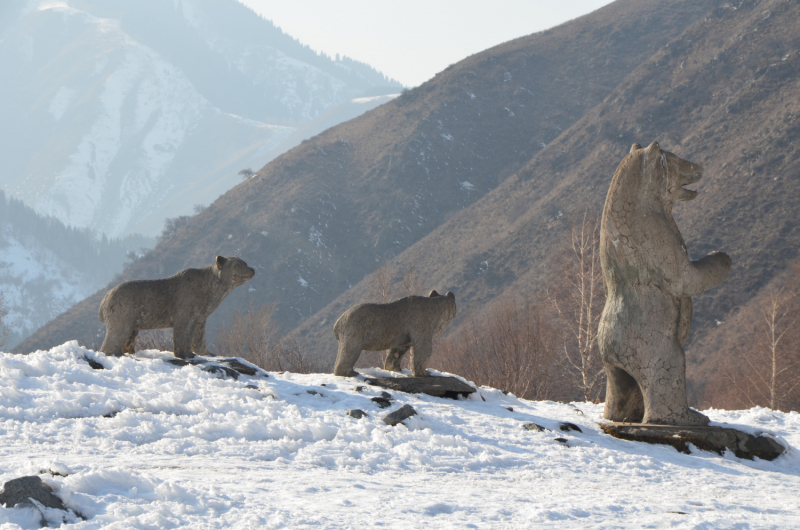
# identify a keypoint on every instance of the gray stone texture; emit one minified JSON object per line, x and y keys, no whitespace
{"x":448,"y":387}
{"x":182,"y":302}
{"x":404,"y":412}
{"x":406,"y":324}
{"x":224,"y":366}
{"x":21,"y":490}
{"x":649,"y":280}
{"x":706,"y":438}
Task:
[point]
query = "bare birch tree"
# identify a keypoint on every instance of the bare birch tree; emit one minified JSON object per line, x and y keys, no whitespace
{"x":382,"y":283}
{"x":772,"y":377}
{"x":578,"y":298}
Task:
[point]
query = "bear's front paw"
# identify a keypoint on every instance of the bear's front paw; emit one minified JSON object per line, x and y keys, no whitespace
{"x":722,"y":258}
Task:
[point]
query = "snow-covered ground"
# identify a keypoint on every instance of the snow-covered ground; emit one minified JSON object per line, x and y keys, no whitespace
{"x":144,"y":444}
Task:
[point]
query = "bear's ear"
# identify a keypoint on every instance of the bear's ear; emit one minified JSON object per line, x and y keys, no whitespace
{"x":433,"y":293}
{"x":451,"y":295}
{"x":654,"y":147}
{"x":635,"y":147}
{"x":221,"y":261}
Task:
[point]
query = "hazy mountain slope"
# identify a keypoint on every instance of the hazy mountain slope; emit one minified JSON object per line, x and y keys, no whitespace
{"x":45,"y":267}
{"x":119,"y":114}
{"x":238,"y":61}
{"x":331,"y":117}
{"x":725,"y":94}
{"x":319,"y":218}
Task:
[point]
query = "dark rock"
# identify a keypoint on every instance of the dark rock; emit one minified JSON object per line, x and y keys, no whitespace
{"x":510,"y":409}
{"x":183,"y":362}
{"x":567,"y":426}
{"x":312,"y":392}
{"x":359,"y":388}
{"x":223,"y":371}
{"x":21,"y":490}
{"x":715,"y":439}
{"x":111,"y":414}
{"x":448,"y":387}
{"x":226,"y":365}
{"x":533,"y":427}
{"x":94,"y":364}
{"x":382,"y":402}
{"x":386,"y":395}
{"x":238,"y":366}
{"x":356,"y":413}
{"x":561,"y":440}
{"x":404,"y":412}
{"x":252,"y":387}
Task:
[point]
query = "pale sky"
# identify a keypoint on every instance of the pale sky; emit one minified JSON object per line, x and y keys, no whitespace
{"x":412,"y":40}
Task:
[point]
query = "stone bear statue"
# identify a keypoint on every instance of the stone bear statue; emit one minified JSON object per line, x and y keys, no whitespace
{"x":408,"y":323}
{"x":182,"y":302}
{"x":649,"y":280}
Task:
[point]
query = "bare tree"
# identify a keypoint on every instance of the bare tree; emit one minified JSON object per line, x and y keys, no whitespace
{"x":411,"y":283}
{"x":509,"y":347}
{"x":382,"y":283}
{"x":4,"y":311}
{"x":772,"y":375}
{"x":246,"y":173}
{"x":578,"y":298}
{"x":254,"y":336}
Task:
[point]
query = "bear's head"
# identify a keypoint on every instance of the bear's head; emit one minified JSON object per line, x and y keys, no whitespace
{"x":232,"y":271}
{"x":659,"y":176}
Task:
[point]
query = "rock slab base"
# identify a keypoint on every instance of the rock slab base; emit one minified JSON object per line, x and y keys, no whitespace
{"x":448,"y":387}
{"x":711,"y":438}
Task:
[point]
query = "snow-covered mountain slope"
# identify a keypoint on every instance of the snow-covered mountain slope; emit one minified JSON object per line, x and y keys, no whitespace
{"x":37,"y":285}
{"x":44,"y":268}
{"x":116,"y":114}
{"x":143,"y":443}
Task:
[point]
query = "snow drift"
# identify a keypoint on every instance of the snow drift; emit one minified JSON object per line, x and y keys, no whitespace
{"x":145,"y":443}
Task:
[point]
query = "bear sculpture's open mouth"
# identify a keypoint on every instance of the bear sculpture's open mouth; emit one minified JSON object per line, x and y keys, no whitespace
{"x":688,"y":179}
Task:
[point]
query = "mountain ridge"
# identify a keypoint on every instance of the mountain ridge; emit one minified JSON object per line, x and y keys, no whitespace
{"x":716,"y":84}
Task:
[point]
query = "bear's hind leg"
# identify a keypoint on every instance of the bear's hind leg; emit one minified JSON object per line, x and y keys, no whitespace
{"x":624,"y":401}
{"x":394,"y":357}
{"x":346,"y":358}
{"x":664,"y":390}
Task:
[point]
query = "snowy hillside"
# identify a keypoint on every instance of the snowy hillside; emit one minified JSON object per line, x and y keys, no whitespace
{"x":143,"y":443}
{"x":114,"y":121}
{"x":44,"y":268}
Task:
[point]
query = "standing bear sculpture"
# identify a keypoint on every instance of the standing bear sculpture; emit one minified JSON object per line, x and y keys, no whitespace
{"x":649,"y":279}
{"x":408,"y":323}
{"x":182,"y":302}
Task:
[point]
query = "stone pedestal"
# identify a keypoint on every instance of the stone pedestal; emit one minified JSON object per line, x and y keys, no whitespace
{"x":710,"y":438}
{"x":448,"y":387}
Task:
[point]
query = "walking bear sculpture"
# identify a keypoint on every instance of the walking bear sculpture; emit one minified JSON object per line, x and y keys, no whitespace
{"x":649,"y":280}
{"x":182,"y":302}
{"x":408,"y":323}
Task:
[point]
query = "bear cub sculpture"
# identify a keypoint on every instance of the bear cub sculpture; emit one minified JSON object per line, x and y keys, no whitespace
{"x":649,"y":280}
{"x":182,"y":302}
{"x":408,"y":323}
